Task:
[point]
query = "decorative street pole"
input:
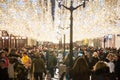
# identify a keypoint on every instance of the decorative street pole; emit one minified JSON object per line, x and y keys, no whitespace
{"x":71,"y":9}
{"x":64,"y":45}
{"x":104,"y":41}
{"x":64,"y":38}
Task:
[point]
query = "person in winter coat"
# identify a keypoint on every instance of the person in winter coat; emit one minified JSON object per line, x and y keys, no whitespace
{"x":94,"y":60}
{"x":26,"y":60}
{"x":100,"y":71}
{"x":3,"y":70}
{"x":52,"y":62}
{"x":117,"y":67}
{"x":38,"y":67}
{"x":3,"y":55}
{"x":111,"y":65}
{"x":80,"y":70}
{"x":11,"y":70}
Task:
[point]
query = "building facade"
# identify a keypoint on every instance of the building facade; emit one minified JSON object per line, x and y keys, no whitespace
{"x":111,"y":2}
{"x":10,"y":41}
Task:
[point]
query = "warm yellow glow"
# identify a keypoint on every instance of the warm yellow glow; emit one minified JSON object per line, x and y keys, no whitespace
{"x":34,"y":20}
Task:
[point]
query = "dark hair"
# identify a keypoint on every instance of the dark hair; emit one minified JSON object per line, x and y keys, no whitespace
{"x":2,"y":60}
{"x":80,"y":66}
{"x":6,"y":49}
{"x":1,"y":53}
{"x":24,"y":52}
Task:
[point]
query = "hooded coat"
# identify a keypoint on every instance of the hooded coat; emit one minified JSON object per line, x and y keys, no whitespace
{"x":101,"y":74}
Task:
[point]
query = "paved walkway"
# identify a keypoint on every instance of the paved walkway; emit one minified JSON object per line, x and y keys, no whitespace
{"x":48,"y":77}
{"x":56,"y":76}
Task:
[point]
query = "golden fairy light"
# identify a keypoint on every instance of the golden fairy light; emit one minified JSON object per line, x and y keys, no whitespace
{"x":33,"y":19}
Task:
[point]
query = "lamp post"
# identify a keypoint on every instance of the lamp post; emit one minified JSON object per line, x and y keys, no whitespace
{"x":71,"y":9}
{"x":64,"y":46}
{"x":104,"y":41}
{"x":64,"y":38}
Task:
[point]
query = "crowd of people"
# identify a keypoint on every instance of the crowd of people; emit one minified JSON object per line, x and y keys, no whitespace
{"x":27,"y":63}
{"x":35,"y":63}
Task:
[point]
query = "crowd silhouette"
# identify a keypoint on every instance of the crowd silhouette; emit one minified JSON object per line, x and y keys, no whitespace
{"x":34,"y":63}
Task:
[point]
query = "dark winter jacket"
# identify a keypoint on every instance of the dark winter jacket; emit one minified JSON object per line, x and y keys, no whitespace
{"x":117,"y":68}
{"x":101,"y":74}
{"x":4,"y":74}
{"x":52,"y":61}
{"x":94,"y":60}
{"x":38,"y":65}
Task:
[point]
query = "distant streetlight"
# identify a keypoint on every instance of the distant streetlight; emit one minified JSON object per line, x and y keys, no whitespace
{"x":104,"y":41}
{"x":71,"y":9}
{"x":64,"y":37}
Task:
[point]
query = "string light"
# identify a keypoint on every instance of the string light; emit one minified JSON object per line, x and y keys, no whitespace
{"x":34,"y":20}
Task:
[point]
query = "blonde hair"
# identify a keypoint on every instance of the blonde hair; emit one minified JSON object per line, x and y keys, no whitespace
{"x":99,"y":65}
{"x":110,"y":56}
